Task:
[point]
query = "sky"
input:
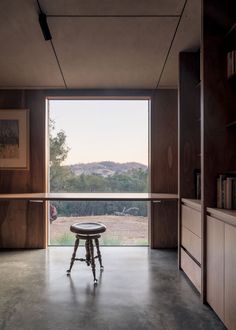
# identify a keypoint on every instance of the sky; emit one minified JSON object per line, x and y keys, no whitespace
{"x":99,"y":130}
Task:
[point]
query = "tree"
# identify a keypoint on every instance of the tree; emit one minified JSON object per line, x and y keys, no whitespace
{"x":59,"y":175}
{"x":58,"y":147}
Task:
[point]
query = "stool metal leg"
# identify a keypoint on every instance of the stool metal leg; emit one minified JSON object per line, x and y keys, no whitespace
{"x":73,"y":255}
{"x":87,"y":256}
{"x":98,"y":252}
{"x":92,"y":260}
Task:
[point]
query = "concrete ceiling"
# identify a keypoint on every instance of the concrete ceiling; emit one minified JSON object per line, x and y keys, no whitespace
{"x":112,"y":7}
{"x":96,"y":43}
{"x":187,"y":39}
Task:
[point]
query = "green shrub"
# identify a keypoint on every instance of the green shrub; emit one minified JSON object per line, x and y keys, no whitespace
{"x":65,"y":239}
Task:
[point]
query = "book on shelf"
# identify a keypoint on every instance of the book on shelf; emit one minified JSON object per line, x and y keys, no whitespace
{"x":231,"y":63}
{"x":197,"y":183}
{"x":226,"y":191}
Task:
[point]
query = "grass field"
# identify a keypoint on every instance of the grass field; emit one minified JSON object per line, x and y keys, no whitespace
{"x":121,"y":230}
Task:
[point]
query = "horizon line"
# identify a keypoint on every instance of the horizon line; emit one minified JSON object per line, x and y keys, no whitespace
{"x":107,"y":161}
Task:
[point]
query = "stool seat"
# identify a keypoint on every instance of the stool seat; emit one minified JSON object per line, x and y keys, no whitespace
{"x":88,"y":228}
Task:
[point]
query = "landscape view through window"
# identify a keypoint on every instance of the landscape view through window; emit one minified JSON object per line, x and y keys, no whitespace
{"x":99,"y":146}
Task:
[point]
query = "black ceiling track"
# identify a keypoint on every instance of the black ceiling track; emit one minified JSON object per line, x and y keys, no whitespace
{"x":111,"y":16}
{"x":48,"y":37}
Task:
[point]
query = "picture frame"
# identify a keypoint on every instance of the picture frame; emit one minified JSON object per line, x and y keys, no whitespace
{"x":14,"y":139}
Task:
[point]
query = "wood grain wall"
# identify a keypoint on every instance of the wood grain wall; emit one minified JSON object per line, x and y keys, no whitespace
{"x":164,"y":167}
{"x":23,"y":225}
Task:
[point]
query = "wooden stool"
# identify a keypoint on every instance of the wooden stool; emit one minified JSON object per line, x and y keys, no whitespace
{"x":87,"y":231}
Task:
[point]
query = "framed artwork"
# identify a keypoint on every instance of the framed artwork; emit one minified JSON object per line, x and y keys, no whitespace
{"x":14,"y":139}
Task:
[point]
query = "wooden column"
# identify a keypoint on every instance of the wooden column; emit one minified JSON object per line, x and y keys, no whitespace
{"x":189,"y":123}
{"x":164,"y":166}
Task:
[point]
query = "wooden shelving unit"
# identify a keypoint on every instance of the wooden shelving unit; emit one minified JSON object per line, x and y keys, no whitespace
{"x":189,"y":164}
{"x":207,"y":109}
{"x":215,"y":104}
{"x":218,"y":157}
{"x":219,"y":101}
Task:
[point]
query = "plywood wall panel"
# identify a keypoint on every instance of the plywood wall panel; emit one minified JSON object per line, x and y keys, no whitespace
{"x":164,"y":167}
{"x":31,"y":218}
{"x":36,"y":103}
{"x":164,"y":141}
{"x":19,"y":227}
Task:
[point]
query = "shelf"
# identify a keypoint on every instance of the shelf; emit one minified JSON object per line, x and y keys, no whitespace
{"x":233,"y":123}
{"x":227,"y":216}
{"x":194,"y":203}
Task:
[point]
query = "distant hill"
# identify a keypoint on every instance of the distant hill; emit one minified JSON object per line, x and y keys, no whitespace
{"x":105,"y":168}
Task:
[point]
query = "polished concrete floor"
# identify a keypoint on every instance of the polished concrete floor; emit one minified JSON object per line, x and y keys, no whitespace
{"x":139,"y":289}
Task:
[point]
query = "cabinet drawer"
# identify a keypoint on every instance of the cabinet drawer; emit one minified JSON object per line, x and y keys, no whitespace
{"x":192,"y":243}
{"x":191,"y":219}
{"x":191,"y":269}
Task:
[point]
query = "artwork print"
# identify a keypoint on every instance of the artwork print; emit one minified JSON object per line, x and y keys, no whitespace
{"x":9,"y":138}
{"x":14,"y":139}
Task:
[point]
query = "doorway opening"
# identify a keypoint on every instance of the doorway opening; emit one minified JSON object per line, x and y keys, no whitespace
{"x":98,"y":145}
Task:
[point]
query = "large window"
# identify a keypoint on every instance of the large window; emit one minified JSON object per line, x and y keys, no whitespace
{"x":99,"y":146}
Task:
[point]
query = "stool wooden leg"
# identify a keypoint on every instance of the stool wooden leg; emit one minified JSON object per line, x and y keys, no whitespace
{"x":87,"y":256}
{"x":92,"y":260}
{"x":73,"y":255}
{"x":98,"y":252}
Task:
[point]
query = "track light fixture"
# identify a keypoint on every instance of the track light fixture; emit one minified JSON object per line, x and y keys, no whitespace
{"x":43,"y":24}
